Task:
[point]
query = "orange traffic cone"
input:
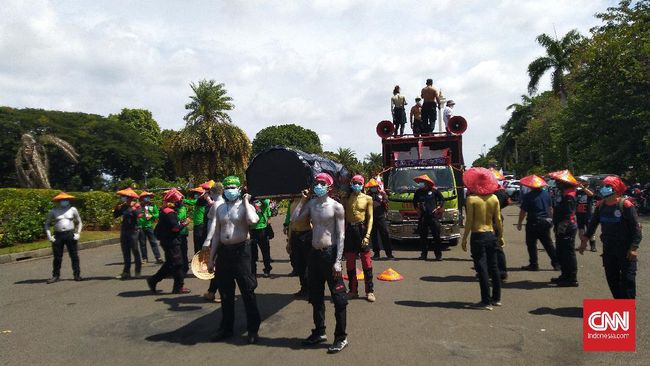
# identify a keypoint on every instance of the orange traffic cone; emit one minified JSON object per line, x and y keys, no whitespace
{"x":390,"y":275}
{"x":360,"y":276}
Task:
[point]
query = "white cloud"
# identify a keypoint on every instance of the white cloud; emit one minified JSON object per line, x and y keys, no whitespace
{"x":328,"y":65}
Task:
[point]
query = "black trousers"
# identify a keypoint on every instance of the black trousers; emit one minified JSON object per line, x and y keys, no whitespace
{"x":426,"y":225}
{"x":129,"y":244}
{"x":501,"y":261}
{"x":261,"y":240}
{"x":619,"y":271}
{"x":147,"y":233}
{"x":234,"y":263}
{"x":173,"y":264}
{"x":61,"y":239}
{"x":417,"y":127}
{"x":380,"y":232}
{"x":566,"y":252}
{"x":185,"y":259}
{"x":320,"y":268}
{"x":399,"y":120}
{"x":300,"y":248}
{"x":429,"y":116}
{"x":537,"y":231}
{"x":484,"y":253}
{"x":198,"y":235}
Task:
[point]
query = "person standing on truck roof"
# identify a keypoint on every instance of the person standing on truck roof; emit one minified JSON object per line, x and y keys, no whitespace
{"x":447,"y":113}
{"x":621,"y":236}
{"x":416,"y":117}
{"x":397,"y":105}
{"x":536,"y":208}
{"x":431,"y":97}
{"x":358,"y":227}
{"x":429,"y":202}
{"x":486,"y":228}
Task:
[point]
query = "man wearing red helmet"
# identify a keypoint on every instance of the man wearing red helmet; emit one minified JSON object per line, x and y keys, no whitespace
{"x":358,"y":226}
{"x":328,"y":221}
{"x":168,"y":232}
{"x":621,"y":236}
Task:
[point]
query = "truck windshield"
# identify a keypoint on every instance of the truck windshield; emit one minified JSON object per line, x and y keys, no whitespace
{"x":401,"y":179}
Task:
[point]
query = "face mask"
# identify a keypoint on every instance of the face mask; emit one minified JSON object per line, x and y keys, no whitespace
{"x":373,"y":190}
{"x":421,"y":185}
{"x":196,"y":196}
{"x":231,"y":194}
{"x":124,"y":199}
{"x":606,"y":191}
{"x":320,"y":190}
{"x":357,"y":187}
{"x":64,"y":203}
{"x":146,"y":199}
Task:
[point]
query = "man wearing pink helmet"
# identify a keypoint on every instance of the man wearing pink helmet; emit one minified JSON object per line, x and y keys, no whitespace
{"x":358,"y":226}
{"x":328,"y":221}
{"x":168,"y":232}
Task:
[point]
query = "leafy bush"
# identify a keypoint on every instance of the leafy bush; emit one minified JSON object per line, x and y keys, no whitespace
{"x":23,"y":212}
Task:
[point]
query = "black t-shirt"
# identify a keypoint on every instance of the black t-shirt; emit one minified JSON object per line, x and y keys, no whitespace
{"x":565,"y":209}
{"x":426,"y":200}
{"x":379,"y":203}
{"x":130,"y":215}
{"x":168,"y":227}
{"x":619,"y":224}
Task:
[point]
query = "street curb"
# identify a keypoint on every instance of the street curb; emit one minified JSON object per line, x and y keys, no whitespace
{"x":46,"y":252}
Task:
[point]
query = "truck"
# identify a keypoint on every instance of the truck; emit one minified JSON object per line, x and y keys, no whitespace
{"x":440,"y":156}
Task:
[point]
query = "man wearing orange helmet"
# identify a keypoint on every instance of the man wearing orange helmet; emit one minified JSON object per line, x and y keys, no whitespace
{"x":379,"y":225}
{"x":64,"y":217}
{"x":621,"y":236}
{"x":430,"y":205}
{"x":566,"y":228}
{"x":168,"y":231}
{"x":131,"y":211}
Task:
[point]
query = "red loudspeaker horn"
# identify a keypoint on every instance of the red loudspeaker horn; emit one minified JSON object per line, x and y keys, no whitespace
{"x":385,"y":129}
{"x":457,"y":125}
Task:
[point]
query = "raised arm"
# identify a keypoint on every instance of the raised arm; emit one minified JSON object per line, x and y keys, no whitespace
{"x":301,"y":211}
{"x":251,"y":215}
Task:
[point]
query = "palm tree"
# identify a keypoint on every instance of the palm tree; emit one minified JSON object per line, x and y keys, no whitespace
{"x":373,"y":163}
{"x":348,"y":159}
{"x":32,"y":164}
{"x":557,"y":59}
{"x":210,"y":146}
{"x":208,"y":103}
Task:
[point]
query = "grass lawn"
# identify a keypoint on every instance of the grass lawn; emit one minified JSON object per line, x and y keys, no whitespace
{"x":85,"y":236}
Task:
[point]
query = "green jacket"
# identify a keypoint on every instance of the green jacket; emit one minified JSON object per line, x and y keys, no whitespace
{"x":149,"y":216}
{"x":198,"y":211}
{"x":263,"y":209}
{"x":182,"y":215}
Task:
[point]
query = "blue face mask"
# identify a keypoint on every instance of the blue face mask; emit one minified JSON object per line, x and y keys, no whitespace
{"x":320,"y":190}
{"x":357,"y":187}
{"x":64,"y":203}
{"x":373,"y":190}
{"x":146,"y":199}
{"x":124,"y":199}
{"x":606,"y":191}
{"x":421,"y":185}
{"x":231,"y":194}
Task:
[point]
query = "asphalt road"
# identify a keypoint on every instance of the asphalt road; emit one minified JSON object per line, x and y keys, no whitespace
{"x":421,"y":320}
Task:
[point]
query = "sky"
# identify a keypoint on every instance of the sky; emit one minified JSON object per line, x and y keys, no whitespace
{"x":327,"y":65}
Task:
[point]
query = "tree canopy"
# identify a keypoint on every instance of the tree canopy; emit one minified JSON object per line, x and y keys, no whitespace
{"x":289,"y":135}
{"x":209,"y":103}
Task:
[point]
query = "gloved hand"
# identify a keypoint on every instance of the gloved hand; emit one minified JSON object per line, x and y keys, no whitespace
{"x":52,"y":239}
{"x":364,"y":242}
{"x":75,"y":236}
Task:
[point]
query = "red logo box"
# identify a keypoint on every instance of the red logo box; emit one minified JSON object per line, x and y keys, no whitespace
{"x":608,"y":325}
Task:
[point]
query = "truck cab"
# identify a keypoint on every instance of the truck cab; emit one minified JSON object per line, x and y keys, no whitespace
{"x":438,"y":155}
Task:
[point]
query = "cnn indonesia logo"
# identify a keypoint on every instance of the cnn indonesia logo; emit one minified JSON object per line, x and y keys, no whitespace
{"x":609,"y":325}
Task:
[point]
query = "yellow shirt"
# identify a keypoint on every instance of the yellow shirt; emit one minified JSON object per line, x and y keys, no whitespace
{"x":358,"y":208}
{"x":483,"y":214}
